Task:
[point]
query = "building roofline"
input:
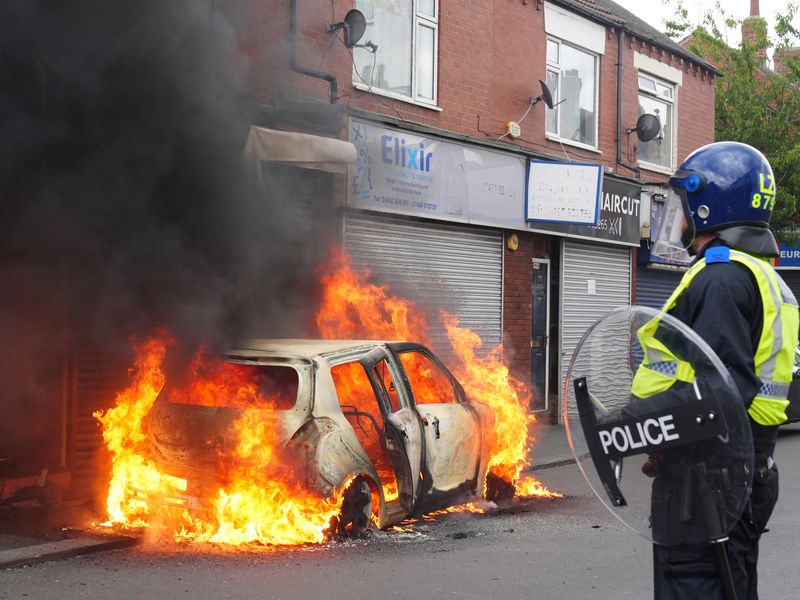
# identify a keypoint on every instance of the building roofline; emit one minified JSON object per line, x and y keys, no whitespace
{"x":609,"y":13}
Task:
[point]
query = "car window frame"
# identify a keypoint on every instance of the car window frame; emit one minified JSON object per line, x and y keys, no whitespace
{"x":399,"y":348}
{"x":369,"y":362}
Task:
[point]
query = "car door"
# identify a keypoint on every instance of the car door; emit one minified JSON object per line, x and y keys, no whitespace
{"x":451,"y":429}
{"x":402,"y":428}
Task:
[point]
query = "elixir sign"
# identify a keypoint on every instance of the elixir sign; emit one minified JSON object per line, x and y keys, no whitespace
{"x":401,"y":171}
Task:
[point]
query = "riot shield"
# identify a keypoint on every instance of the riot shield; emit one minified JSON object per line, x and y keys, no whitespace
{"x":658,"y":428}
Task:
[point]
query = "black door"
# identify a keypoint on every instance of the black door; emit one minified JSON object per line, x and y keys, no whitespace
{"x":539,"y":337}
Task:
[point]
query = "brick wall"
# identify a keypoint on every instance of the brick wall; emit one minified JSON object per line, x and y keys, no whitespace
{"x":491,"y":56}
{"x":517,"y":301}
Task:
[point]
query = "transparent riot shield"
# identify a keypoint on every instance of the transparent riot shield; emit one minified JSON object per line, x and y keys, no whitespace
{"x":658,"y":427}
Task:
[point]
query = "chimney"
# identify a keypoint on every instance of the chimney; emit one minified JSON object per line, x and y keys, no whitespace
{"x":752,"y":27}
{"x":783,"y":57}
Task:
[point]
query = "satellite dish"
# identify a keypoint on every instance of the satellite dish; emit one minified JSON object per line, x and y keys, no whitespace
{"x":648,"y":127}
{"x":355,"y":24}
{"x":545,"y":95}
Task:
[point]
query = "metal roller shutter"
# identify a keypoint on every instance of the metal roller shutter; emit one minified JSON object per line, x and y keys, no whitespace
{"x":595,"y":279}
{"x":654,"y":286}
{"x":437,"y":265}
{"x":99,"y":375}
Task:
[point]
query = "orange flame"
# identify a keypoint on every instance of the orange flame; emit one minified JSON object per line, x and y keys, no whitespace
{"x":352,"y":307}
{"x":530,"y":487}
{"x":488,"y":380}
{"x":125,"y":437}
{"x":260,"y":499}
{"x":256,"y":496}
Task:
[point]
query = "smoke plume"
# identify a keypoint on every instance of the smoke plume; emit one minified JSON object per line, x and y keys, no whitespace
{"x":123,"y":201}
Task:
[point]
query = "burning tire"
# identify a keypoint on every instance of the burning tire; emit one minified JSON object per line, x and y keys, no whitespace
{"x":354,"y":520}
{"x":499,"y":490}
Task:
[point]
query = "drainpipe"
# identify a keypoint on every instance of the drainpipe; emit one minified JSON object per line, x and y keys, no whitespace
{"x":293,"y":55}
{"x":620,"y":35}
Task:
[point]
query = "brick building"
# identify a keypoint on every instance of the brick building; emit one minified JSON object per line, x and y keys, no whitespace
{"x":492,"y":159}
{"x":468,"y":190}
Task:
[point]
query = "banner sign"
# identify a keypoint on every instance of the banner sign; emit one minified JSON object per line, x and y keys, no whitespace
{"x":619,"y":217}
{"x":789,"y":257}
{"x":563,"y":192}
{"x":400,"y":171}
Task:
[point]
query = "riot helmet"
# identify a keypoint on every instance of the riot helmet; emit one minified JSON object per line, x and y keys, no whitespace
{"x":719,"y":186}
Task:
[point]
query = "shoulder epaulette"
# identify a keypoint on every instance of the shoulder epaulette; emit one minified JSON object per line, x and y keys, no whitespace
{"x":718,"y":254}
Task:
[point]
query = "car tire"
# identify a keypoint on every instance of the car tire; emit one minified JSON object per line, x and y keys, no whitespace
{"x":354,"y":520}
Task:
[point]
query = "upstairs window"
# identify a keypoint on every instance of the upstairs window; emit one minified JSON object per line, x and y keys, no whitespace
{"x":574,"y":48}
{"x":572,"y":77}
{"x":657,"y":97}
{"x":404,"y":64}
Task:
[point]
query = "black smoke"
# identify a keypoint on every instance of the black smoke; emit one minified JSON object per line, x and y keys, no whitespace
{"x":124,"y":205}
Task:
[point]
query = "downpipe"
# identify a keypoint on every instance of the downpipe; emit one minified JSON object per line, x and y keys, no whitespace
{"x":620,"y":35}
{"x":334,"y":83}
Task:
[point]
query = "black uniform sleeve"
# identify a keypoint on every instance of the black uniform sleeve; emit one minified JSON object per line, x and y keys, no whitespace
{"x":723,"y":305}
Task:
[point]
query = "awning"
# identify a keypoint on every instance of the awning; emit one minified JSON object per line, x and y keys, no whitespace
{"x":298,"y":149}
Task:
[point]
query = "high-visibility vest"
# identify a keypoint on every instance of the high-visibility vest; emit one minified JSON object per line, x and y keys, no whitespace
{"x":774,"y":356}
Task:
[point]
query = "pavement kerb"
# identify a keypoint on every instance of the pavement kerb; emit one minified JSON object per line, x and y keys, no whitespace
{"x":549,"y":465}
{"x":47,"y":551}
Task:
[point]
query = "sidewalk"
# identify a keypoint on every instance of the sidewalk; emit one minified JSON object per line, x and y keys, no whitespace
{"x":550,"y":447}
{"x":30,"y":534}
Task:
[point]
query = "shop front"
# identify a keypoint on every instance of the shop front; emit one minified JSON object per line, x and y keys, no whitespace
{"x":596,"y":243}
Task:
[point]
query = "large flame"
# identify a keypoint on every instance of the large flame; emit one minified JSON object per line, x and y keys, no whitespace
{"x":256,"y":495}
{"x":352,"y":307}
{"x":259,"y":499}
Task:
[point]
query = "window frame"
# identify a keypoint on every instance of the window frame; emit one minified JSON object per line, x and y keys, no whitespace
{"x":554,"y":68}
{"x":458,"y":391}
{"x":419,"y":19}
{"x":673,"y":104}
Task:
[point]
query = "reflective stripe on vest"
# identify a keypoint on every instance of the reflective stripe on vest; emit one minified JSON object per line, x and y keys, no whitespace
{"x":774,"y":356}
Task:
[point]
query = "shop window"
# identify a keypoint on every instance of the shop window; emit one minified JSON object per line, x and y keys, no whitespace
{"x":404,"y":64}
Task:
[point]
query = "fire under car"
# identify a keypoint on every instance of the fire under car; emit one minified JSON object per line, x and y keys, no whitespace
{"x":386,"y":420}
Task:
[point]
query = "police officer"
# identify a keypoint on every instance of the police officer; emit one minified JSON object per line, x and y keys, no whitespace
{"x":718,"y":208}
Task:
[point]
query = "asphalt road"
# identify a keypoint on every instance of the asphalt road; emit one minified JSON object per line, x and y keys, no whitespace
{"x":540,"y":549}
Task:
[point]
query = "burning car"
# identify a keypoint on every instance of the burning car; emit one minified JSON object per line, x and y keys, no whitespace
{"x":384,"y":421}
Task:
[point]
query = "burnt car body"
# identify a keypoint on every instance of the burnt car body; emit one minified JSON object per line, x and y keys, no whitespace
{"x":369,"y":410}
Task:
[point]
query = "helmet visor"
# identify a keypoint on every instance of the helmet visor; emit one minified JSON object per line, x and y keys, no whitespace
{"x":673,"y":230}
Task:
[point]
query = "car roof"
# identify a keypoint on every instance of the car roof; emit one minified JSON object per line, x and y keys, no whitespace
{"x":301,"y":348}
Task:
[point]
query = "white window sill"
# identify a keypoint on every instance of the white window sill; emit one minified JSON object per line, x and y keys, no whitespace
{"x":380,"y":92}
{"x":573,"y":143}
{"x":656,"y":168}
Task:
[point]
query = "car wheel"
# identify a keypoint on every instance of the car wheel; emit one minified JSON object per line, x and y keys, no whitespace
{"x":354,"y":518}
{"x":498,"y":490}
